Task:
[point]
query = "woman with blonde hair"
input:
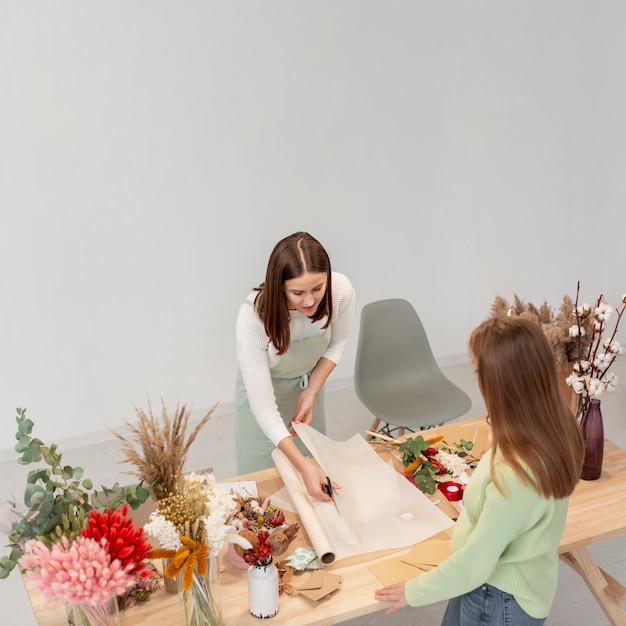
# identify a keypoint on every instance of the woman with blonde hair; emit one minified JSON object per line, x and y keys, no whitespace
{"x":503,"y":569}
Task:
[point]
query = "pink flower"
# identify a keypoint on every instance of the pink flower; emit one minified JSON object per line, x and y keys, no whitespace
{"x":75,"y":572}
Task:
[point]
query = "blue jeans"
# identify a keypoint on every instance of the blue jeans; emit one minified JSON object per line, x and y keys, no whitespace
{"x":487,"y":606}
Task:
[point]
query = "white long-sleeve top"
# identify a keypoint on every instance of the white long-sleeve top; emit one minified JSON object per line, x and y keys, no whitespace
{"x":256,"y":354}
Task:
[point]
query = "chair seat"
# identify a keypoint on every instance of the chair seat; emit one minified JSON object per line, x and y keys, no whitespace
{"x":396,"y":375}
{"x":414,"y":407}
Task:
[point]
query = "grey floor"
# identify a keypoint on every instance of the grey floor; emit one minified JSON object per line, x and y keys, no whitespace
{"x":574,"y":604}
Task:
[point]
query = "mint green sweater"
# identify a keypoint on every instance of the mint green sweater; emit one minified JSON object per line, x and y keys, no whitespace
{"x":509,"y":542}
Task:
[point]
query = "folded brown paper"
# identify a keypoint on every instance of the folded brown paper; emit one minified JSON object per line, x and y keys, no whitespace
{"x":317,"y":585}
{"x":423,"y":557}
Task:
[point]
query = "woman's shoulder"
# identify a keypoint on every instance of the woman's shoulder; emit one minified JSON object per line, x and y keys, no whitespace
{"x":341,"y":284}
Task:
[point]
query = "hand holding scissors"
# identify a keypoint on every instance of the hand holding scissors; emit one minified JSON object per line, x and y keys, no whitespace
{"x":328,"y":489}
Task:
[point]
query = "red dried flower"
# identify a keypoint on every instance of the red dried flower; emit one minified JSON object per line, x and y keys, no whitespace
{"x":277,"y":518}
{"x":122,"y":540}
{"x":261,"y":554}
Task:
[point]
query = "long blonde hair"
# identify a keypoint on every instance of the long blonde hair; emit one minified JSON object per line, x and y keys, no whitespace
{"x":532,"y":428}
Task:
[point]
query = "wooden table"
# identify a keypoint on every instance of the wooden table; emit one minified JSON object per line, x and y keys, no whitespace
{"x":597,"y":512}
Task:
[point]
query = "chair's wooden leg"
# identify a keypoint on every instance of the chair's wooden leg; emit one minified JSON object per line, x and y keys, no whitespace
{"x":373,"y":428}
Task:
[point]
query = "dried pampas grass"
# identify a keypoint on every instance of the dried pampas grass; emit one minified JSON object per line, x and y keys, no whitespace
{"x":159,"y":445}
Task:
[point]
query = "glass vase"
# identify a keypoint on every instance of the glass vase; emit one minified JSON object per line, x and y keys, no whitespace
{"x":593,"y":433}
{"x":105,"y":614}
{"x":169,"y":584}
{"x":263,"y":590}
{"x":200,"y":605}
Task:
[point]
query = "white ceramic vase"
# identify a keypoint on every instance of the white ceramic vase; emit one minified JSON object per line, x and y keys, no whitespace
{"x":263,"y":590}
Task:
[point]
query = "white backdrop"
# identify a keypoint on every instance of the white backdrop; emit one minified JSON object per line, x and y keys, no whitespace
{"x":152,"y":153}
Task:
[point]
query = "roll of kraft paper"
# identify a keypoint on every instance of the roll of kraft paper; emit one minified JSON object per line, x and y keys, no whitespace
{"x":302,"y":502}
{"x":451,"y":490}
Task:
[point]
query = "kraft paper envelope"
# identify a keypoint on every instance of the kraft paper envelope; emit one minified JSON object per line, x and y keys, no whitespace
{"x":318,"y":585}
{"x":379,"y":510}
{"x":422,"y":558}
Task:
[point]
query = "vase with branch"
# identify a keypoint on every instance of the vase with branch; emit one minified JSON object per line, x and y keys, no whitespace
{"x":591,"y":376}
{"x":157,"y":447}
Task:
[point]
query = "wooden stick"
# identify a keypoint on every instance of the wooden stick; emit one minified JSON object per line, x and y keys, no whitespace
{"x":381,"y":436}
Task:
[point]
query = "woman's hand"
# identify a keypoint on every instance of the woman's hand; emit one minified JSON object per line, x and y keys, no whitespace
{"x":392,"y":593}
{"x":315,"y":482}
{"x":304,"y":408}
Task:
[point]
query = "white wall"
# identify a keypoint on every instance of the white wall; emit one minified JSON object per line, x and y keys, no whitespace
{"x":152,"y":153}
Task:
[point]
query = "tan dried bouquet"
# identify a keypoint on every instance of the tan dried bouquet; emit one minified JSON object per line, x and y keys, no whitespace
{"x":555,"y":326}
{"x":160,"y":446}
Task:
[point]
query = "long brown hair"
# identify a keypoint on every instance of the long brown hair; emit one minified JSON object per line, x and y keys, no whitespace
{"x":291,"y":257}
{"x":532,"y":428}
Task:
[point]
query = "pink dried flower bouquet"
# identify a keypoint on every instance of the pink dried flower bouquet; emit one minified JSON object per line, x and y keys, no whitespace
{"x":79,"y":572}
{"x":101,"y":563}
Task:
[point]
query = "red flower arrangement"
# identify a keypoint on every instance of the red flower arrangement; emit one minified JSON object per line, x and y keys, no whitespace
{"x":124,"y":542}
{"x":261,"y":552}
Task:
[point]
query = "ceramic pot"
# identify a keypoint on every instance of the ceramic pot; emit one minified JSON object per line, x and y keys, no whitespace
{"x":263,"y":590}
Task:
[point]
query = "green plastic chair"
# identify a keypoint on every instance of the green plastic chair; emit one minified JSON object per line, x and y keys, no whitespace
{"x":396,"y":376}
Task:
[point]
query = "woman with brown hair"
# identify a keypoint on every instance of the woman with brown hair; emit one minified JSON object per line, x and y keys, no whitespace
{"x":291,"y":332}
{"x":504,"y":563}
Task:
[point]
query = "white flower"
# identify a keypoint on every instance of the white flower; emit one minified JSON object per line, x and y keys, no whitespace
{"x":610,"y":382}
{"x":614,"y":347}
{"x":603,"y":312}
{"x":576,"y":330}
{"x":595,"y":387}
{"x":602,"y":361}
{"x":453,"y":463}
{"x":577,"y":383}
{"x":222,"y":507}
{"x":582,"y":367}
{"x":583,"y":309}
{"x":163,"y":531}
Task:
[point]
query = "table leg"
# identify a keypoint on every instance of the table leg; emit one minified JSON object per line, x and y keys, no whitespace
{"x":608,"y":592}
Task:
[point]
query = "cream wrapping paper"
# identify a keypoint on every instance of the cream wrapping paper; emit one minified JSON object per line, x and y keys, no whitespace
{"x":379,"y":509}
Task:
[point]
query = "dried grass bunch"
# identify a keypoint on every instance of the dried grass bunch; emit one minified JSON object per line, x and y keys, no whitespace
{"x":160,"y":446}
{"x":555,"y":326}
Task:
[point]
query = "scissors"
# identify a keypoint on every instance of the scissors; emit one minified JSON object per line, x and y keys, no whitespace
{"x":328,"y":489}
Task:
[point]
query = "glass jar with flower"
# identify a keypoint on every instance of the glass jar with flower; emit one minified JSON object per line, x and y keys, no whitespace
{"x":191,"y":525}
{"x":590,"y":376}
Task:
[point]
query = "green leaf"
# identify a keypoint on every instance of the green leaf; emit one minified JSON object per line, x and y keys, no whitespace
{"x":36,"y":475}
{"x":78,"y":473}
{"x":426,"y":484}
{"x":34,"y":496}
{"x":88,"y":484}
{"x":32,"y":454}
{"x":22,"y":444}
{"x":50,"y":457}
{"x":25,"y":427}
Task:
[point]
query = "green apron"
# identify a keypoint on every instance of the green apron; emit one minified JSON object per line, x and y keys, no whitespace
{"x":289,"y":377}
